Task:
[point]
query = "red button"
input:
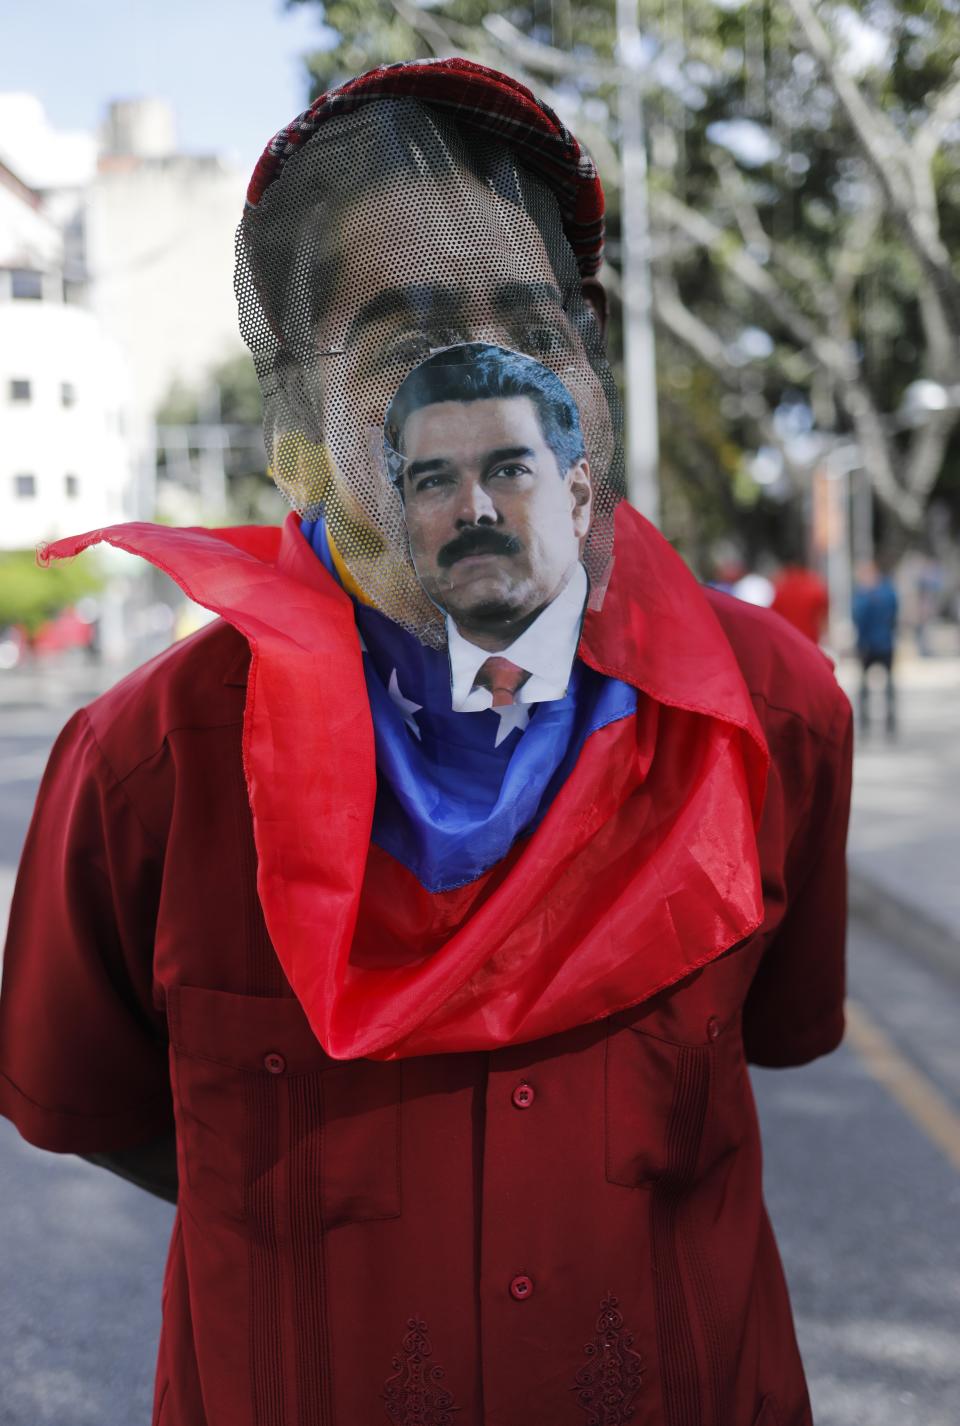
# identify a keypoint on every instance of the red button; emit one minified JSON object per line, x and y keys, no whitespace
{"x":523,"y":1096}
{"x":276,"y":1064}
{"x":521,"y":1287}
{"x":713,"y":1028}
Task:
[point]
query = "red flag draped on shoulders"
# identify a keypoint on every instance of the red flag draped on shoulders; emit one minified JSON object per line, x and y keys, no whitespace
{"x":644,"y":868}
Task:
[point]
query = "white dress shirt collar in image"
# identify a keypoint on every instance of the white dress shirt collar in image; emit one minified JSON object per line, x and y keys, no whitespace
{"x":545,"y":650}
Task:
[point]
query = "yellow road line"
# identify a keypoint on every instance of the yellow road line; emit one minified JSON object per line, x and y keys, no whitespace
{"x":909,"y":1087}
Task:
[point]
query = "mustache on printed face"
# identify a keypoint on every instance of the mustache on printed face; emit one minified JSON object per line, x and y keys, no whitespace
{"x":477,"y":540}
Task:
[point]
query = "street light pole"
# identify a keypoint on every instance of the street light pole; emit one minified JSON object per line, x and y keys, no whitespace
{"x":640,"y":373}
{"x":832,"y":533}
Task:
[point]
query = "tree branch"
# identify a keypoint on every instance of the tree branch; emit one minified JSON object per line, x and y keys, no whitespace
{"x":850,"y":391}
{"x":926,"y":453}
{"x":944,"y":111}
{"x":691,"y":330}
{"x":878,"y":459}
{"x":547,"y":59}
{"x":744,"y":210}
{"x":878,"y":137}
{"x":755,"y":279}
{"x":943,"y":351}
{"x":890,"y":157}
{"x":426,"y":25}
{"x":704,"y":345}
{"x":927,"y":139}
{"x":851,"y":261}
{"x":449,"y":37}
{"x":795,"y":265}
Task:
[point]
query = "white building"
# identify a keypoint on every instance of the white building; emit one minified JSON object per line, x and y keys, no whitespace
{"x":65,"y":464}
{"x":116,"y":282}
{"x":159,"y":236}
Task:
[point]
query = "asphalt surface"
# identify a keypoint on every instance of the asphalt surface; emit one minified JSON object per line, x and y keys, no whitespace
{"x":864,"y":1193}
{"x":903,"y":831}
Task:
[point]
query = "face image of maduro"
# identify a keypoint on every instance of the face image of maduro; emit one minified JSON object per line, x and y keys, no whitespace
{"x":485,"y":447}
{"x":389,"y":235}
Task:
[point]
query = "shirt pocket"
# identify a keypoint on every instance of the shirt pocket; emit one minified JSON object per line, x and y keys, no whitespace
{"x":676,"y":1097}
{"x":266,"y":1119}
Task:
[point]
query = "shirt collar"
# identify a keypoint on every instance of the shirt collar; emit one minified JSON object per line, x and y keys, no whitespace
{"x":545,"y":651}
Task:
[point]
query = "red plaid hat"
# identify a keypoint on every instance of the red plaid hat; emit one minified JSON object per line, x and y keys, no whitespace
{"x":479,"y":99}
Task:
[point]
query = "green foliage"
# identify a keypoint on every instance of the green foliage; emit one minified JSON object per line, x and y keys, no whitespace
{"x":362,"y":34}
{"x":31,"y":594}
{"x":239,"y":391}
{"x":799,"y":212}
{"x":230,"y":396}
{"x":180,"y":406}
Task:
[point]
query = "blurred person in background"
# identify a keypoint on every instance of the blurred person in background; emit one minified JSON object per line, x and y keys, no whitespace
{"x":875,"y":610}
{"x":438,"y":1043}
{"x":755,"y":587}
{"x":732,"y":575}
{"x":724,"y":567}
{"x":800,"y":596}
{"x":928,"y":583}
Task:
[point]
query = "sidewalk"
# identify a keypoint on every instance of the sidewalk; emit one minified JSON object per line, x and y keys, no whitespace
{"x":904,"y":849}
{"x":66,"y":681}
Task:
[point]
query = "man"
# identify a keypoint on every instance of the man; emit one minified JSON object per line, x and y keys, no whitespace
{"x":486,"y":450}
{"x":360,"y":256}
{"x":875,"y":612}
{"x":456,"y":1031}
{"x":801,"y":597}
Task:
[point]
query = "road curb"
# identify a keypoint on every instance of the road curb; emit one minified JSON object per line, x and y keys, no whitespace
{"x":904,"y":923}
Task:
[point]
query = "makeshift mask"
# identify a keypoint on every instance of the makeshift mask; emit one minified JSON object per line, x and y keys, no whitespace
{"x":386,"y":235}
{"x":377,"y":233}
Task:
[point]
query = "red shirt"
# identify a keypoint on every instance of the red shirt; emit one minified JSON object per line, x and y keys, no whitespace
{"x":801,"y":597}
{"x":499,"y":1237}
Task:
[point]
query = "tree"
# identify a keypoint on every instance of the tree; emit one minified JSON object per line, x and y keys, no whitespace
{"x":211,"y":458}
{"x":30,"y":595}
{"x":805,"y":195}
{"x":843,"y":265}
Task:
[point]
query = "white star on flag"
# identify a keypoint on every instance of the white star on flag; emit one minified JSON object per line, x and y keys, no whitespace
{"x":406,"y":705}
{"x":514,"y":715}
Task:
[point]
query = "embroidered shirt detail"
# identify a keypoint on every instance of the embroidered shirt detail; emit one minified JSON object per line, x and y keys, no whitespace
{"x":414,"y":1394}
{"x":608,"y":1385}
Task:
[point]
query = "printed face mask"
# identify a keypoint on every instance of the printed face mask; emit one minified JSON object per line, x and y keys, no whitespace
{"x":388,"y":238}
{"x":485,"y":448}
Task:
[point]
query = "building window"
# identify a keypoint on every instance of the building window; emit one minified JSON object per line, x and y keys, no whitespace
{"x":24,"y":486}
{"x":19,"y":389}
{"x":68,"y":394}
{"x":71,"y":484}
{"x":26,"y":285}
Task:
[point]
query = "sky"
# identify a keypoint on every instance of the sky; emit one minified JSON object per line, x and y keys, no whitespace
{"x":230,"y":68}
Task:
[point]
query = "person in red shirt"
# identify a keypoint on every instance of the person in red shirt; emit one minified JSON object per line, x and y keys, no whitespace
{"x":439,"y":1038}
{"x":800,"y":596}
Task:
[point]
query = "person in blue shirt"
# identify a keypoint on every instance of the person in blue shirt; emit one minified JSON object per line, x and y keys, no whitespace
{"x":875,"y":608}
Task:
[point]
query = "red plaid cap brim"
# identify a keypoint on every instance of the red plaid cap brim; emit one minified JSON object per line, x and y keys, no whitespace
{"x":479,"y":99}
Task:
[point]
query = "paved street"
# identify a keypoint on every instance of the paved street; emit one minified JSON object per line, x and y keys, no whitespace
{"x":862,"y":1149}
{"x":866,"y":1207}
{"x":904,"y":828}
{"x":33,"y":708}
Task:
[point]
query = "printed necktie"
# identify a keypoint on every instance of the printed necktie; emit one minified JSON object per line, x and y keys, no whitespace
{"x":502,"y":678}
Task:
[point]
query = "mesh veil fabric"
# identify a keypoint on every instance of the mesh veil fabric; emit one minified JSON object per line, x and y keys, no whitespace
{"x":387,"y":234}
{"x":382,"y":236}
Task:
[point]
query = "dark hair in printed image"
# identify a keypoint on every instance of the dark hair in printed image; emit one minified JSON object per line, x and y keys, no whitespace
{"x":478,"y":371}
